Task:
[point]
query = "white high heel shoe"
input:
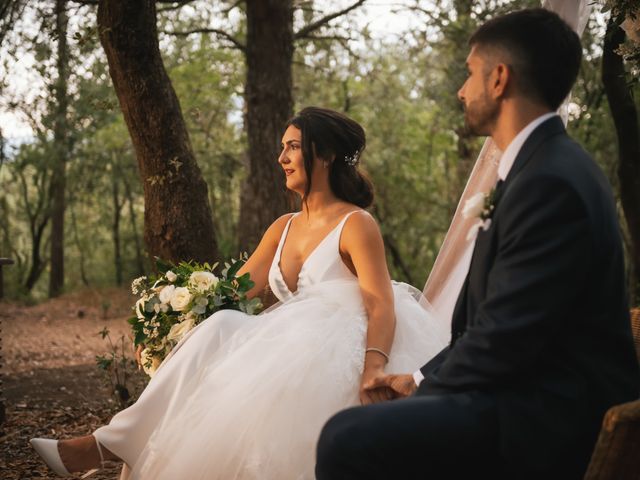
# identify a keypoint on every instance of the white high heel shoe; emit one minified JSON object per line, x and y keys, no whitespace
{"x":48,"y":451}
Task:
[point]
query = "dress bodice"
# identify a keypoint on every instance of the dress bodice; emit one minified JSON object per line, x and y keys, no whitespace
{"x":324,"y":263}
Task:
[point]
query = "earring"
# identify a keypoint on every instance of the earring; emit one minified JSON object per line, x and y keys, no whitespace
{"x":325,"y":163}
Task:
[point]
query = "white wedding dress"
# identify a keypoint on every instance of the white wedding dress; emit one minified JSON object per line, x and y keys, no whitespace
{"x":245,"y":397}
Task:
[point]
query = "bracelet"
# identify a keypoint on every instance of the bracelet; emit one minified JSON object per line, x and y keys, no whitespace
{"x":377,"y":350}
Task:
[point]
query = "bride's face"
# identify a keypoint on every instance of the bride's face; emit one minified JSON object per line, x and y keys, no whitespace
{"x":291,"y":160}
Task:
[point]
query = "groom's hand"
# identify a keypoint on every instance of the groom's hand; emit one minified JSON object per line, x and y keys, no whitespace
{"x":399,"y":385}
{"x":371,"y":388}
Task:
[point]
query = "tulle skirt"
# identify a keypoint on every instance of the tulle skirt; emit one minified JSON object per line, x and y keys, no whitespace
{"x":245,"y":397}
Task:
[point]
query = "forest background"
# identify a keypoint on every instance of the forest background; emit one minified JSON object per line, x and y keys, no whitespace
{"x":88,"y":195}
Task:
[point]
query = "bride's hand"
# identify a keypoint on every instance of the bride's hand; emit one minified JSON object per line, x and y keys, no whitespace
{"x":399,"y":385}
{"x":372,"y":387}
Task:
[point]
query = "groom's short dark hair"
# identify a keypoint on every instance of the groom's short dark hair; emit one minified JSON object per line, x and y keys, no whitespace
{"x":544,"y":52}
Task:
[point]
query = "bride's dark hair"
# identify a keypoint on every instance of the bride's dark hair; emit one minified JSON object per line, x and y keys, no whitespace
{"x":328,"y":134}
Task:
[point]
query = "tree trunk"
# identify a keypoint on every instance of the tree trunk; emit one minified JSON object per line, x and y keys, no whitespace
{"x":115,"y":227}
{"x":269,"y":100}
{"x":177,"y":222}
{"x":625,"y":118}
{"x":81,"y":254}
{"x":58,"y":176}
{"x":134,"y":227}
{"x":37,"y":263}
{"x":38,"y":215}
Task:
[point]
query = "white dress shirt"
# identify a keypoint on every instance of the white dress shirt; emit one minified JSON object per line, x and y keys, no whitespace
{"x":459,"y":273}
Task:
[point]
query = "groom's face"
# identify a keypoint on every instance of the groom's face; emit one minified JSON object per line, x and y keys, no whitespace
{"x":480,"y":109}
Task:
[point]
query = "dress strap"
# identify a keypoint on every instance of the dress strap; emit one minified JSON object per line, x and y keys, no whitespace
{"x":284,"y":235}
{"x":344,"y":220}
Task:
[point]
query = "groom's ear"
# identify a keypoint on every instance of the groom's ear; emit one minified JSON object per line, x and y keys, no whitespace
{"x":500,"y":80}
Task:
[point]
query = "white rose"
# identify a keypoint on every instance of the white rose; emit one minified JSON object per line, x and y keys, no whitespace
{"x":180,"y":299}
{"x":474,"y":206}
{"x":172,"y":277}
{"x":166,"y":293}
{"x":202,"y":281}
{"x":147,"y":358}
{"x":179,"y":330}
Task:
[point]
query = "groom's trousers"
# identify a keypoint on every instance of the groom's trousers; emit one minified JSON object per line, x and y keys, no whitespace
{"x":432,"y":436}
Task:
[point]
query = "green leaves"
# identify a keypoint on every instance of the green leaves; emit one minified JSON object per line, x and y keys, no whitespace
{"x":162,"y":265}
{"x":235,"y":266}
{"x":103,"y":362}
{"x":245,"y":282}
{"x":250,"y":307}
{"x":104,"y":333}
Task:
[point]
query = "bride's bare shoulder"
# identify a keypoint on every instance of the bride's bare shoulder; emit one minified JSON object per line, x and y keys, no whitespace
{"x":277,"y":227}
{"x":360,"y":224}
{"x":280,"y":222}
{"x":361,"y":218}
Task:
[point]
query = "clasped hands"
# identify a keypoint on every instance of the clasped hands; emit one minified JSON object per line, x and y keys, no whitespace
{"x":377,"y":386}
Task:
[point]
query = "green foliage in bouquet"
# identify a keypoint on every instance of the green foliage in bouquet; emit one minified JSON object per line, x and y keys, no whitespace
{"x":181,"y":297}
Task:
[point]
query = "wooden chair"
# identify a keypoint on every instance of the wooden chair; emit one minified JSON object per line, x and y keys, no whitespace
{"x":617,"y":452}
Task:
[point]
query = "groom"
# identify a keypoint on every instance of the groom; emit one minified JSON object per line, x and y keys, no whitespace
{"x":541,"y":343}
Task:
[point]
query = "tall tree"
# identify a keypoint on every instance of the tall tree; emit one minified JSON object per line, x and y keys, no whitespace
{"x":178,"y":223}
{"x":61,"y":145}
{"x":269,"y":103}
{"x":625,"y":116}
{"x":38,"y":212}
{"x":117,"y":204}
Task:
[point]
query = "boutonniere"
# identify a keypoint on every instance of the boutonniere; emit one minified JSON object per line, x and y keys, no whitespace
{"x":480,"y":206}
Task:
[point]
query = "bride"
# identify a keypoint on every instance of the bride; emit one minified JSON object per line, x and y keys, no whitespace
{"x":245,"y":397}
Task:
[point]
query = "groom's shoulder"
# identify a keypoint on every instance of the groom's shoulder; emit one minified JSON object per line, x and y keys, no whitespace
{"x":563,"y":159}
{"x":561,"y":167}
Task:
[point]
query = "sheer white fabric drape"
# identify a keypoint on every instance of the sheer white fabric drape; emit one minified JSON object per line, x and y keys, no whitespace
{"x":445,"y":281}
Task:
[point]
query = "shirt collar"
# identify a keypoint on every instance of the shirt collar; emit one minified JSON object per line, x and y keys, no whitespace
{"x":511,"y":152}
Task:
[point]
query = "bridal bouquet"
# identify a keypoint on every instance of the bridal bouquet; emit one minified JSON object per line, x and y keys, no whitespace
{"x":181,"y":297}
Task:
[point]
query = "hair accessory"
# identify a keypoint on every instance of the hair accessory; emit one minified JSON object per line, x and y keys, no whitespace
{"x":352,"y":160}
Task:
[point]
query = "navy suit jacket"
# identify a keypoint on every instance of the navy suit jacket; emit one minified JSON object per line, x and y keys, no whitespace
{"x":542,"y":321}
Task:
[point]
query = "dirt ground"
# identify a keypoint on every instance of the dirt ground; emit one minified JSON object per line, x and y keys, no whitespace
{"x":51,"y":386}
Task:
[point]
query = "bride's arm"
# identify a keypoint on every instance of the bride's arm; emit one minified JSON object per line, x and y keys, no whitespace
{"x":260,"y":260}
{"x":362,"y":242}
